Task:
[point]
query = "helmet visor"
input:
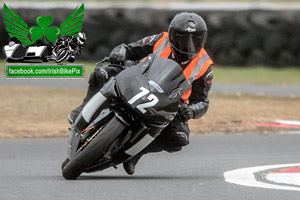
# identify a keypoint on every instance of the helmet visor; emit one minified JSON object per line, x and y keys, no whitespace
{"x":187,"y":42}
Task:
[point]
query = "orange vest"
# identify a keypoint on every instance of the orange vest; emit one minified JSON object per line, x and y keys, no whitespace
{"x":197,"y":67}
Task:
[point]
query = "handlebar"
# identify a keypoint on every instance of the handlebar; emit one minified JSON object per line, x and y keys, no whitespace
{"x":122,"y":65}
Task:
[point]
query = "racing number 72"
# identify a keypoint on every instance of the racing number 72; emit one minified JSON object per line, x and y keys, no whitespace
{"x":153,"y":100}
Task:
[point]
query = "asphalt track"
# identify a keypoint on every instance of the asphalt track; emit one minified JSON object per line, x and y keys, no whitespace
{"x":30,"y":169}
{"x":277,"y":90}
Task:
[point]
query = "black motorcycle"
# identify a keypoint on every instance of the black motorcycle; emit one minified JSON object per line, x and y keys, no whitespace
{"x":125,"y":116}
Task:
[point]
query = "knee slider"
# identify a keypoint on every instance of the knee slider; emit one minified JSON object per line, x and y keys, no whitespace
{"x":101,"y":73}
{"x":180,"y":139}
{"x":97,"y":78}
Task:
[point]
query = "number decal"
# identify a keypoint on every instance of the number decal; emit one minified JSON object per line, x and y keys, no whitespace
{"x":152,"y":98}
{"x":139,"y":95}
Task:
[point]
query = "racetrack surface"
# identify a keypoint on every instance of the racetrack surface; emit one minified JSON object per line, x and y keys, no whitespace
{"x":31,"y":170}
{"x":276,"y":90}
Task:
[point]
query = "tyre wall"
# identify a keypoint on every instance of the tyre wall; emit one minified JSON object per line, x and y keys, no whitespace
{"x":240,"y":37}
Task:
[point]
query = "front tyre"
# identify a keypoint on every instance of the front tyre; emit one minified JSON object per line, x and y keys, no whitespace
{"x":65,"y":163}
{"x":94,"y":150}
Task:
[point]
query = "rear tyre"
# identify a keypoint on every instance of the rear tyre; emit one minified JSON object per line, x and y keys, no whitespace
{"x":62,"y":55}
{"x":94,"y":150}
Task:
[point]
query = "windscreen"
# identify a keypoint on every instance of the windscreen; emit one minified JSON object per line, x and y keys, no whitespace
{"x":166,"y":73}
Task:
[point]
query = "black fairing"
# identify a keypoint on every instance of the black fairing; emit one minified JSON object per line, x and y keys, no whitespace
{"x":162,"y":78}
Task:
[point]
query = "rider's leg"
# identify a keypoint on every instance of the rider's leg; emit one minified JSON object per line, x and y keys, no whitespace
{"x":96,"y":81}
{"x":171,"y":139}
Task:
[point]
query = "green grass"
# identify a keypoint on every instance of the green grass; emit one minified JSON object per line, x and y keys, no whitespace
{"x":257,"y":75}
{"x":231,"y":75}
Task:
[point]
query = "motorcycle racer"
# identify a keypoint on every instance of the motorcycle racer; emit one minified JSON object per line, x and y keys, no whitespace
{"x":184,"y":44}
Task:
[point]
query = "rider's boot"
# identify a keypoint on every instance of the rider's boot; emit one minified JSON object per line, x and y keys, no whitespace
{"x":156,"y":146}
{"x":129,"y":166}
{"x":169,"y":140}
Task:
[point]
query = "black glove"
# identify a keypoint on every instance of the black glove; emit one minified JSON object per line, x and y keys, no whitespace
{"x":118,"y":55}
{"x":186,"y":113}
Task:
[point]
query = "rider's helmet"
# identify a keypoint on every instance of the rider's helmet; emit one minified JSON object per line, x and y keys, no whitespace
{"x":187,"y":35}
{"x":81,"y":37}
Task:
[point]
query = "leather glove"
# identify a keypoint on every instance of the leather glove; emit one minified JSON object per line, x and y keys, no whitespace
{"x":186,"y":113}
{"x":118,"y":55}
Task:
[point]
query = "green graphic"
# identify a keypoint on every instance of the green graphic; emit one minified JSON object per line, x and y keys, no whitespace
{"x":43,"y":31}
{"x":16,"y":27}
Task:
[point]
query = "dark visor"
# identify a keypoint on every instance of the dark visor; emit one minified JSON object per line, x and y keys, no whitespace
{"x":187,"y":42}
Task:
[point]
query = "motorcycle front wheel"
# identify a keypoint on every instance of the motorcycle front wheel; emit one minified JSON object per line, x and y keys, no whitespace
{"x":94,"y":149}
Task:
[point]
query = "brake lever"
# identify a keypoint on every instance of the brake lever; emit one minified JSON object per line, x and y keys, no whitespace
{"x":105,"y":59}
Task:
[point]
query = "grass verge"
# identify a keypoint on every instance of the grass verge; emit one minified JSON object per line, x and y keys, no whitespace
{"x":35,"y":112}
{"x":257,"y":75}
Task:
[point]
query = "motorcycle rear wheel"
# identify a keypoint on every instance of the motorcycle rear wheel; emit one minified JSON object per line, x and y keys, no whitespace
{"x":94,"y":150}
{"x":62,"y":55}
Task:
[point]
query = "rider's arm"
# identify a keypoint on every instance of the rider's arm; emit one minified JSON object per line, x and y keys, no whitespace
{"x":136,"y":50}
{"x":142,"y":48}
{"x":199,"y":97}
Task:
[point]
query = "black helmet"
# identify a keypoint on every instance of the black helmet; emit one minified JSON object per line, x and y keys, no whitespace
{"x":187,"y":35}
